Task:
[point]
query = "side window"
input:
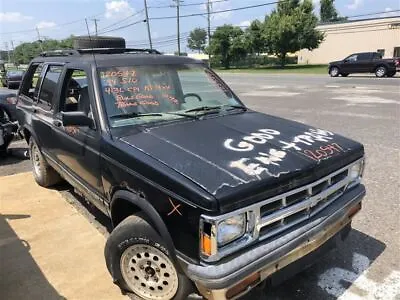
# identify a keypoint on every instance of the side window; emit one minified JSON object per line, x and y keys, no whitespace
{"x":377,"y":56}
{"x":364,"y":56}
{"x":381,"y":52}
{"x":49,"y":87}
{"x":352,"y":58}
{"x":32,"y":81}
{"x":75,"y":92}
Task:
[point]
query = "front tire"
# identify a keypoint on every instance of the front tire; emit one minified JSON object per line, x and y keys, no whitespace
{"x":380,"y":72}
{"x":139,"y":263}
{"x":43,"y":173}
{"x":334,"y":71}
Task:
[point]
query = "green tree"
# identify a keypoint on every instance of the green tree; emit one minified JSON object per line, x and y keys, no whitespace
{"x":25,"y":52}
{"x":254,"y":38}
{"x":228,"y":44}
{"x":291,"y":27}
{"x":328,"y":12}
{"x":197,"y":39}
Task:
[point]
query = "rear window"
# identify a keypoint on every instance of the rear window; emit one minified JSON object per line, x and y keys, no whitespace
{"x":364,"y":56}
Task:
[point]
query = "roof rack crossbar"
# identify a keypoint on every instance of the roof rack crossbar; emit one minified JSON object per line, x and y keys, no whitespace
{"x":61,"y":52}
{"x":78,"y":52}
{"x":117,"y":50}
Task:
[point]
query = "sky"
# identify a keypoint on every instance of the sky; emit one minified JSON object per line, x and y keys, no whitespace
{"x":60,"y":18}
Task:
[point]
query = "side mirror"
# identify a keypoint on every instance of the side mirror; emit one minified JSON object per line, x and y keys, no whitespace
{"x":346,"y":60}
{"x":76,"y":118}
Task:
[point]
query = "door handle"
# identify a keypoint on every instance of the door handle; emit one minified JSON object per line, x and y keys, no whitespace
{"x":57,"y":123}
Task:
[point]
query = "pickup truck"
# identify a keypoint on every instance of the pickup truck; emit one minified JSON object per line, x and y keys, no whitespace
{"x":366,"y":62}
{"x":204,"y":194}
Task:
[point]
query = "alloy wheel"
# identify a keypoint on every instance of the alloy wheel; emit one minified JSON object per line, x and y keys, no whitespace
{"x":148,"y":272}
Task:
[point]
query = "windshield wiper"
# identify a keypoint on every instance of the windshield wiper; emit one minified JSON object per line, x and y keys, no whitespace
{"x":230,"y":107}
{"x":212,"y":109}
{"x":135,"y":115}
{"x":182,"y":115}
{"x":203,"y":108}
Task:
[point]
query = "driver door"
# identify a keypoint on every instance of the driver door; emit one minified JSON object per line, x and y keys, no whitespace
{"x":351,"y":64}
{"x":78,"y":148}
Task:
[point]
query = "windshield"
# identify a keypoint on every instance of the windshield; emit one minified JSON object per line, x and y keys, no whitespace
{"x":143,"y":94}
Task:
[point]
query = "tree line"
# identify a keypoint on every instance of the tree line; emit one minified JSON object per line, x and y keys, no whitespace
{"x":287,"y":29}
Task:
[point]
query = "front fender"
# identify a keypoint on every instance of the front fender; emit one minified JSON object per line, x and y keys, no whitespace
{"x":152,"y":217}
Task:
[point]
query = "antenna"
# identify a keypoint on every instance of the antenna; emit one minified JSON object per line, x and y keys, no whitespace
{"x":91,"y":43}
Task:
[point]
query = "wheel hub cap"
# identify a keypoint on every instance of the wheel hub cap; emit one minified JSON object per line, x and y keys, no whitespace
{"x":148,"y":272}
{"x":36,"y":159}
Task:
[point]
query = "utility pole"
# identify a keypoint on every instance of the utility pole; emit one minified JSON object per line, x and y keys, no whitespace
{"x":209,"y":30}
{"x":95,"y":24}
{"x":12,"y":48}
{"x":177,"y":26}
{"x":39,"y":40}
{"x":8,"y":51}
{"x":148,"y":24}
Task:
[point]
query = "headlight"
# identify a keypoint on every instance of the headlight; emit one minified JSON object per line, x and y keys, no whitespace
{"x":230,"y":229}
{"x":356,"y":171}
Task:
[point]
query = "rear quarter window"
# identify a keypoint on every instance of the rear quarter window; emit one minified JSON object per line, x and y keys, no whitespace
{"x":32,"y":80}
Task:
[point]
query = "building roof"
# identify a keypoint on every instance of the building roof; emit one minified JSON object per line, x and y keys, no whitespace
{"x":358,"y":20}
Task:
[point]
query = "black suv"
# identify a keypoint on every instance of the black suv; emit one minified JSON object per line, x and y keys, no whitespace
{"x":203,"y":193}
{"x":366,"y":62}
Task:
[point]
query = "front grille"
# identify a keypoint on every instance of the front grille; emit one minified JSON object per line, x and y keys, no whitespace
{"x":286,"y":210}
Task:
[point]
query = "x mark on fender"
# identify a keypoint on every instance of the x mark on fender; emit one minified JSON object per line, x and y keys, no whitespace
{"x":175,"y":208}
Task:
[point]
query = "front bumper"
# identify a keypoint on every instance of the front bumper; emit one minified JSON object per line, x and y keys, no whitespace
{"x":268,"y":257}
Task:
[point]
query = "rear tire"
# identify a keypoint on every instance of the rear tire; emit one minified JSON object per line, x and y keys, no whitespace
{"x":43,"y":173}
{"x":380,"y":71}
{"x":334,"y":72}
{"x":391,"y":74}
{"x":139,"y":263}
{"x":85,"y":42}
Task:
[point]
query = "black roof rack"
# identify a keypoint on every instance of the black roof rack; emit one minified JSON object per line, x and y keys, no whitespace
{"x":76,"y":52}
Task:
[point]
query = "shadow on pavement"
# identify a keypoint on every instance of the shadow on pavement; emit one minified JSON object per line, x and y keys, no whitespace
{"x":332,"y":275}
{"x":20,"y":276}
{"x":14,"y":155}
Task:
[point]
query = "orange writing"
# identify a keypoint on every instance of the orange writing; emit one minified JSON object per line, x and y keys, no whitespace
{"x":123,"y":103}
{"x":135,"y":97}
{"x":119,"y":73}
{"x":323,"y":151}
{"x":119,"y":90}
{"x":156,"y":87}
{"x":171,"y":98}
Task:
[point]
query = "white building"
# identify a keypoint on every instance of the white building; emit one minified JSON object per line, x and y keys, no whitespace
{"x":344,"y":38}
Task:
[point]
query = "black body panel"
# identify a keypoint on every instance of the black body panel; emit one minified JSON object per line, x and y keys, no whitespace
{"x":196,"y":150}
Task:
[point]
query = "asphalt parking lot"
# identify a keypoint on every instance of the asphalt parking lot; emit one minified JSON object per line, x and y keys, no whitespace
{"x":364,"y":108}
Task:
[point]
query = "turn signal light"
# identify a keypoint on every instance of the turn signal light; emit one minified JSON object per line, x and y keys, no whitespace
{"x":206,"y":244}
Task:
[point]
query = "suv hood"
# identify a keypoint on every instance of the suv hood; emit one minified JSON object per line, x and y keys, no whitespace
{"x":241,"y":157}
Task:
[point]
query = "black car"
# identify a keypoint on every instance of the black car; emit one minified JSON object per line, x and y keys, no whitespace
{"x":203,"y":193}
{"x":8,"y":101}
{"x":13,"y":78}
{"x":366,"y":62}
{"x":8,"y":130}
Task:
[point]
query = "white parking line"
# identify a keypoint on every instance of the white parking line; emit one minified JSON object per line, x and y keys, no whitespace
{"x":335,"y":282}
